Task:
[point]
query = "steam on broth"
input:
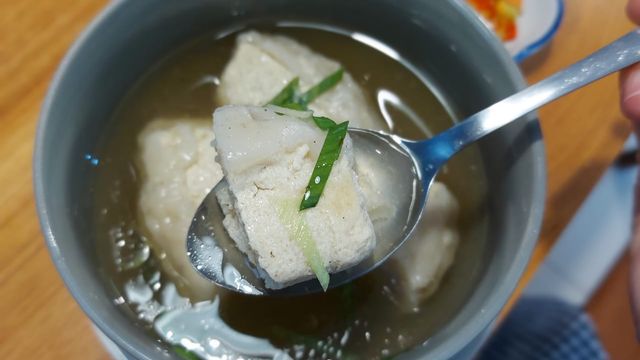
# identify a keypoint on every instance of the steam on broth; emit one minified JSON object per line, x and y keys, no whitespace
{"x":373,"y":317}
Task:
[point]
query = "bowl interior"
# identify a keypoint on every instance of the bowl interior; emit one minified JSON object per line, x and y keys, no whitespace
{"x":466,"y":68}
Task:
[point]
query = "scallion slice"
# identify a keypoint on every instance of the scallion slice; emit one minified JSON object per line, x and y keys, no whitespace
{"x":287,"y":94}
{"x":300,"y":233}
{"x":324,"y":123}
{"x":323,"y":86}
{"x":185,"y":354}
{"x":291,"y":97}
{"x":328,"y":155}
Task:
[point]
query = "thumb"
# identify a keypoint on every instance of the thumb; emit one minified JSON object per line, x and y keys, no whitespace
{"x":630,"y":94}
{"x":635,"y":260}
{"x":633,"y":11}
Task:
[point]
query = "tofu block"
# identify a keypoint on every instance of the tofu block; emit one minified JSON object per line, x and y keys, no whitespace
{"x":177,"y":170}
{"x":425,"y":258}
{"x":263,"y":64}
{"x":267,"y":159}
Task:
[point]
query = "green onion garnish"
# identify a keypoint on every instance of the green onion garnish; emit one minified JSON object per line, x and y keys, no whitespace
{"x":291,"y":97}
{"x":299,"y":231}
{"x":328,"y":155}
{"x":287,"y":94}
{"x":323,"y":86}
{"x":324,"y":123}
{"x":183,"y":353}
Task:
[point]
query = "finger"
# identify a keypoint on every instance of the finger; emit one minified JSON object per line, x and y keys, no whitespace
{"x":630,"y":93}
{"x":633,"y":11}
{"x":635,"y":261}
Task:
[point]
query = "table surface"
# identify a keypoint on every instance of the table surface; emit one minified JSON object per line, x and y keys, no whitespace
{"x":41,"y":320}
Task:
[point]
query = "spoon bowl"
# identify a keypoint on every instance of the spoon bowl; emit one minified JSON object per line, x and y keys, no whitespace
{"x":412,"y":166}
{"x":214,"y":254}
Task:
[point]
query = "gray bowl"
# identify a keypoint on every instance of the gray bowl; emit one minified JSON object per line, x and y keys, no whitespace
{"x":443,"y":40}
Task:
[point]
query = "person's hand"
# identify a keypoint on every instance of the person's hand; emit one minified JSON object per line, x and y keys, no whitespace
{"x":630,"y":78}
{"x":630,"y":105}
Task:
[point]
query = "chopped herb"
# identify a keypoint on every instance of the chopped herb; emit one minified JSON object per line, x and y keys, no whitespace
{"x":291,"y":97}
{"x":287,"y":95}
{"x":299,"y":231}
{"x":324,"y":123}
{"x":294,"y":106}
{"x":184,"y":353}
{"x":328,"y":155}
{"x":323,"y":86}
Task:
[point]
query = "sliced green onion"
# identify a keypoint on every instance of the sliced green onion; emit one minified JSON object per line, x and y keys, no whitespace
{"x":183,"y":353}
{"x":293,"y":106}
{"x":323,"y":86}
{"x":300,"y":114}
{"x":291,"y":98}
{"x":287,"y":95}
{"x":300,"y":233}
{"x":324,"y":123}
{"x":328,"y":155}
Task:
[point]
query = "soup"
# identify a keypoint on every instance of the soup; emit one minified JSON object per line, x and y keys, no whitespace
{"x":366,"y":319}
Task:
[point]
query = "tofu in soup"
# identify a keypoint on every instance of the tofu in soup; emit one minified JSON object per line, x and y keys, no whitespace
{"x":267,"y":159}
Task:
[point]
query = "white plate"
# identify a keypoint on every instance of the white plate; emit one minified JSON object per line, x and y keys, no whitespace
{"x":537,"y":24}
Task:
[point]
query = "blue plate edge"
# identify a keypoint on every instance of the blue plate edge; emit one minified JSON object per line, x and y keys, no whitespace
{"x":545,"y":39}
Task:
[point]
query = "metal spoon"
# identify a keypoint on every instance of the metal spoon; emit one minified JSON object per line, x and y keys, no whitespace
{"x":415,"y":165}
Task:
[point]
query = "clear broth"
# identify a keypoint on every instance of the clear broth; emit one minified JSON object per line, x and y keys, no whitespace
{"x":183,"y":85}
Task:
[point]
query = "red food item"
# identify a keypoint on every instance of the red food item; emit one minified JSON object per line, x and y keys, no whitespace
{"x":501,"y":13}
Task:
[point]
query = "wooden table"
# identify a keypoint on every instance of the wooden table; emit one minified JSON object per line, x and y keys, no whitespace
{"x":39,"y":319}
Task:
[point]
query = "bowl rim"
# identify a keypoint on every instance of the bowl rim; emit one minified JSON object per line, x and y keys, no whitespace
{"x":501,"y":295}
{"x":39,"y":182}
{"x":477,"y":324}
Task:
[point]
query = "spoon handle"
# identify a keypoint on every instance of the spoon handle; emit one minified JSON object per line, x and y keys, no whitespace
{"x":613,"y":57}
